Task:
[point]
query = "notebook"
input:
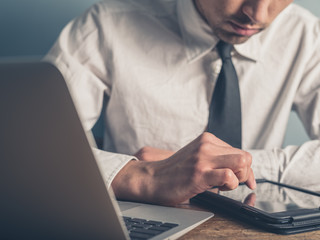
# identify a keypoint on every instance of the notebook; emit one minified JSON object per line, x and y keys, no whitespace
{"x":51,"y":184}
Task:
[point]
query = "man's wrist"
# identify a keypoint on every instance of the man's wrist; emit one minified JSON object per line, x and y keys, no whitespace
{"x":134,"y":181}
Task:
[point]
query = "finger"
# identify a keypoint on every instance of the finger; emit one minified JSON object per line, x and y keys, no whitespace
{"x":246,"y":175}
{"x":235,"y":162}
{"x":208,"y":144}
{"x":243,"y":174}
{"x":239,"y":164}
{"x":251,"y":182}
{"x":213,"y":139}
{"x":224,"y":178}
{"x":217,"y":141}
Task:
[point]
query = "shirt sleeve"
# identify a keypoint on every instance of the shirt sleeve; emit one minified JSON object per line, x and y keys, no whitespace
{"x":77,"y":55}
{"x":298,"y":165}
{"x":83,"y":63}
{"x":110,"y":163}
{"x":294,"y":165}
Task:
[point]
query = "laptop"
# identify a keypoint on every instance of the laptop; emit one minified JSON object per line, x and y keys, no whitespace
{"x":51,"y":184}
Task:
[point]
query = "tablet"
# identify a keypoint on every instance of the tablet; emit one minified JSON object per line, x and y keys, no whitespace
{"x":274,"y":206}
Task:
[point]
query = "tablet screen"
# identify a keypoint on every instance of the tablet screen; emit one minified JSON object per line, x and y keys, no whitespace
{"x":273,"y":198}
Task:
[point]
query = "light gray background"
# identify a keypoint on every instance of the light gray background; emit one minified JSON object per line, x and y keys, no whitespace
{"x":29,"y":28}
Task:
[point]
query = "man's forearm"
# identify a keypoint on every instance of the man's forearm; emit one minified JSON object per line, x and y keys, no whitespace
{"x":205,"y":162}
{"x":295,"y":165}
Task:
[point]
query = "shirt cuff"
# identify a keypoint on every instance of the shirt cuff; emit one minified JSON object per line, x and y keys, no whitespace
{"x":265,"y":164}
{"x":111,"y":163}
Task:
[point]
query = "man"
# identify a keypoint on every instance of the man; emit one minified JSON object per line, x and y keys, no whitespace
{"x":158,"y":64}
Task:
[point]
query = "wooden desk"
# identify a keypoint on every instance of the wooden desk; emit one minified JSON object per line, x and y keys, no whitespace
{"x":222,"y":226}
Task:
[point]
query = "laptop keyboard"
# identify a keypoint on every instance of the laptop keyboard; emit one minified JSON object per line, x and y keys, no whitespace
{"x":145,"y":229}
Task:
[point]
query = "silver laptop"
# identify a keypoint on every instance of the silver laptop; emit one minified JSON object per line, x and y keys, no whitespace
{"x":51,"y":186}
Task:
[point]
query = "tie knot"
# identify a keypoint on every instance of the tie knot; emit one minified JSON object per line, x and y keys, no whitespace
{"x":224,"y":50}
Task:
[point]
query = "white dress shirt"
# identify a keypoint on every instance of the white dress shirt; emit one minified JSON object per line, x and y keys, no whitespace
{"x":157,"y":63}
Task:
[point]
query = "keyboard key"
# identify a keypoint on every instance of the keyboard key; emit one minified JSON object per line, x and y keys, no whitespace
{"x":169,"y":225}
{"x":139,"y":235}
{"x":138,"y":220}
{"x":130,"y":228}
{"x":146,"y":231}
{"x":126,"y":218}
{"x":160,"y":229}
{"x":154,"y":222}
{"x":139,"y":225}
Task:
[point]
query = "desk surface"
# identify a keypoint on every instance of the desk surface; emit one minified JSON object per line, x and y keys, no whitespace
{"x":224,"y":227}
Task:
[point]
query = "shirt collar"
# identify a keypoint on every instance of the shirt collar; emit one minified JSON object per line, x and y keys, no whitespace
{"x":199,"y":38}
{"x":250,"y":49}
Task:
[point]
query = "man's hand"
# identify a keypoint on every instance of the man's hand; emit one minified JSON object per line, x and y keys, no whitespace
{"x":205,"y":162}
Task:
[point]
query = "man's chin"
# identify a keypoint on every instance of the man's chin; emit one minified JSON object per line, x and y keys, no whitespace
{"x":233,"y":38}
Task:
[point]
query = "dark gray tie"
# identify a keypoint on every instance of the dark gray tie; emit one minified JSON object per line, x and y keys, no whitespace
{"x":225,"y":107}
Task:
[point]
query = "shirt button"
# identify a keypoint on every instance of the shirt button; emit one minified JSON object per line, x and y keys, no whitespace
{"x":216,"y":69}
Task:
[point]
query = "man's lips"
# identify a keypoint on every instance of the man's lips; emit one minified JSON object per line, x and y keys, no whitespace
{"x":243,"y":30}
